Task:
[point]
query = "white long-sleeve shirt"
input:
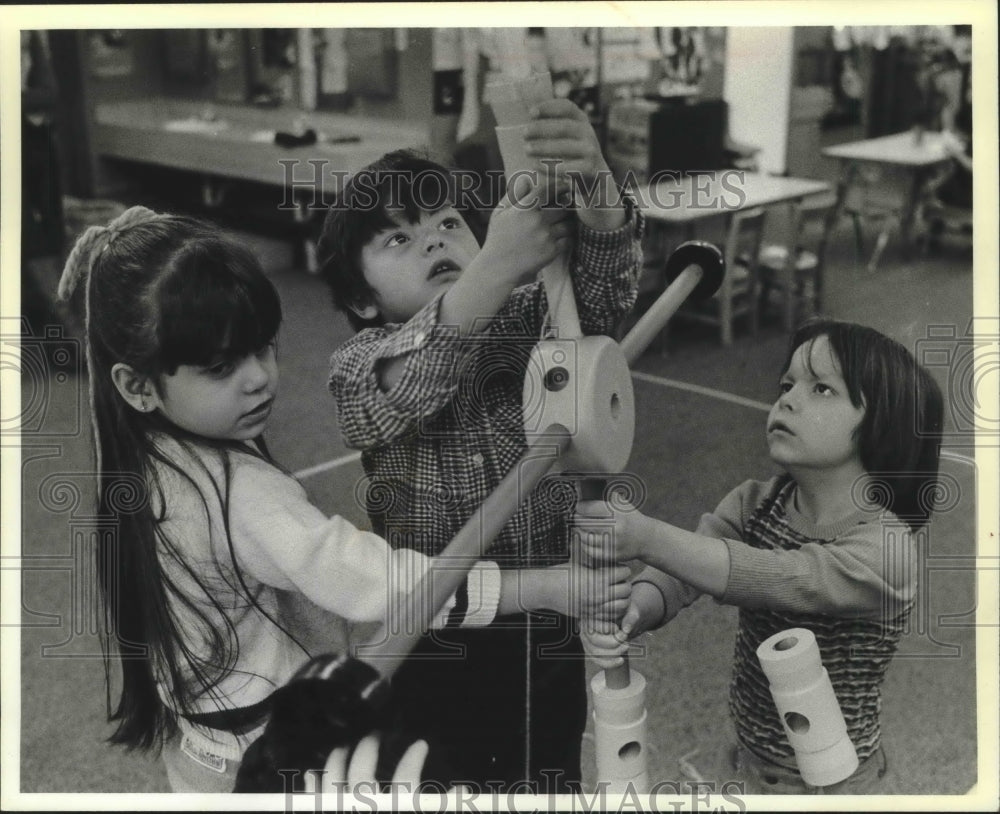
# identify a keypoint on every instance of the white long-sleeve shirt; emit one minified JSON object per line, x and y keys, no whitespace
{"x":315,"y":576}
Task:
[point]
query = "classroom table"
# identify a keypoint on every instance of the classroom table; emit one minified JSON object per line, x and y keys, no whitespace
{"x":683,"y":201}
{"x":917,"y":152}
{"x":227,"y":143}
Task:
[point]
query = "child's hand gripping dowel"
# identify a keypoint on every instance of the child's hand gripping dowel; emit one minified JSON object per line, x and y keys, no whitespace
{"x":512,"y":104}
{"x":603,"y":532}
{"x":598,"y":594}
{"x":524,"y":237}
{"x":596,"y":550}
{"x":618,"y":693}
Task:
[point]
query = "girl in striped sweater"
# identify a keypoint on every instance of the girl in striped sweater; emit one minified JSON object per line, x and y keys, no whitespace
{"x":826,"y":546}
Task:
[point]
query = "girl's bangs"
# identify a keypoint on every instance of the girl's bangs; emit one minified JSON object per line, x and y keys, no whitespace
{"x":217,"y":305}
{"x":847,"y":345}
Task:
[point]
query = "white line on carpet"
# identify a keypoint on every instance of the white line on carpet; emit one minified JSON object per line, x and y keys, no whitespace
{"x":326,"y":466}
{"x":721,"y":395}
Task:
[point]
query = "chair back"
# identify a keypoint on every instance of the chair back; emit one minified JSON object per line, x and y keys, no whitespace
{"x":813,"y":223}
{"x":783,"y":267}
{"x":738,"y":294}
{"x":740,"y":287}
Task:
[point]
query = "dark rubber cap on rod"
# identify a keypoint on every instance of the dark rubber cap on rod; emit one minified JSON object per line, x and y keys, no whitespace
{"x":708,"y":257}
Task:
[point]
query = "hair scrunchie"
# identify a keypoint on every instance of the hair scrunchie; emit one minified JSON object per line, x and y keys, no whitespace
{"x":92,"y":243}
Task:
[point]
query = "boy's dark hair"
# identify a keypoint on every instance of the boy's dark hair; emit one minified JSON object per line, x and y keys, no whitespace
{"x":899,"y":437}
{"x":403,"y":181}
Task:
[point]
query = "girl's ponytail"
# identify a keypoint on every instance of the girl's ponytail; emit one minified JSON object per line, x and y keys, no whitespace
{"x":81,"y":259}
{"x":80,"y":264}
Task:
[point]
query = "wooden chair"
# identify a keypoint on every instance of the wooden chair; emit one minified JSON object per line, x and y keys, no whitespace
{"x":798,"y":274}
{"x":876,"y":200}
{"x":739,"y":293}
{"x":946,"y":208}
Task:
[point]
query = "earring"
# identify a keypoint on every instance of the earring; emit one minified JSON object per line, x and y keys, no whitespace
{"x":143,"y":406}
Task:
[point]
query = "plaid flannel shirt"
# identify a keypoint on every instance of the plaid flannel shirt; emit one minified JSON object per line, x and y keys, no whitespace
{"x":441,"y":439}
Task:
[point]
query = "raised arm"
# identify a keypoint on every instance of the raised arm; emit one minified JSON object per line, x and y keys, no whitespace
{"x":386,"y":380}
{"x":607,"y":255}
{"x":425,"y":355}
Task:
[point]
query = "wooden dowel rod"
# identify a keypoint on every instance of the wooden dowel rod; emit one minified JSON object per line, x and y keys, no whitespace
{"x":658,"y":314}
{"x":449,"y":569}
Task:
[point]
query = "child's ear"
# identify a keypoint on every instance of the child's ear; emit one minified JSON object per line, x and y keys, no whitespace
{"x":136,"y":389}
{"x":367,"y":311}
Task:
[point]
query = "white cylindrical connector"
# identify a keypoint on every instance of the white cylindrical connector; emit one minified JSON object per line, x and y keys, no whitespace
{"x":807,"y":706}
{"x":620,"y":734}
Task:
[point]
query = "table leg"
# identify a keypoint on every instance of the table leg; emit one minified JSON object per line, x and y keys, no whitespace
{"x":213,"y":191}
{"x":910,"y":208}
{"x":653,"y":277}
{"x":848,"y":172}
{"x":788,"y":273}
{"x":302,"y":217}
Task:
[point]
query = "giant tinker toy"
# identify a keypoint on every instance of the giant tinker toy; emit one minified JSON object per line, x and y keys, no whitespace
{"x":579,"y":418}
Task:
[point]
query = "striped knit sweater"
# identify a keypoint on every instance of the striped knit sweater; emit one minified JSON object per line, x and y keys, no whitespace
{"x":851,"y":583}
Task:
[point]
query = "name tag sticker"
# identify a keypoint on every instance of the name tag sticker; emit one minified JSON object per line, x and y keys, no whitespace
{"x":206,"y":759}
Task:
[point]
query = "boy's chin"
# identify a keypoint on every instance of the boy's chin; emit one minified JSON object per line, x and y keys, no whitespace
{"x":778,"y":457}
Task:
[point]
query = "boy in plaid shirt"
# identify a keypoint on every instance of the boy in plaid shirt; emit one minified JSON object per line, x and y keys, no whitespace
{"x":430,"y":390}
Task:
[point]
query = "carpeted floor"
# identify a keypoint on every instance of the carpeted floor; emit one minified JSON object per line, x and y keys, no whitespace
{"x":693,"y":447}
